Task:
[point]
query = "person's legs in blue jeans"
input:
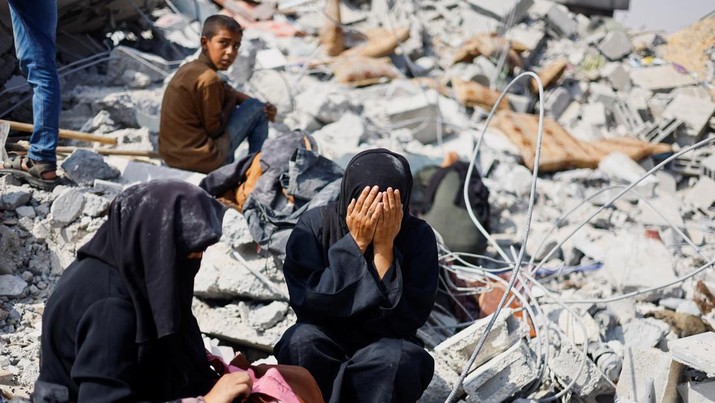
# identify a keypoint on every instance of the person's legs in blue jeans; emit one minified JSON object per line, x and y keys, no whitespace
{"x":248,"y":120}
{"x":35,"y":29}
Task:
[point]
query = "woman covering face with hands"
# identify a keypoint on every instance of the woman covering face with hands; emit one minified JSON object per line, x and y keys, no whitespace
{"x":362,"y":276}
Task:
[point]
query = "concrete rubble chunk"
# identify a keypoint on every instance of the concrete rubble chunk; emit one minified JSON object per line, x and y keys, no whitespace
{"x":634,"y":262}
{"x":642,"y":333}
{"x":67,"y":207}
{"x":559,"y":18}
{"x":648,"y":375}
{"x":658,"y":78}
{"x":693,"y":111}
{"x":231,"y":322}
{"x":456,"y":350}
{"x":531,"y":36}
{"x":84,"y":166}
{"x":25,"y":211}
{"x":616,"y":75}
{"x":557,"y":101}
{"x":10,"y":244}
{"x":269,"y":315}
{"x":616,"y":45}
{"x":235,"y":229}
{"x":443,"y":381}
{"x":620,"y":167}
{"x":11,"y":286}
{"x":223,"y":277}
{"x":95,"y":205}
{"x":697,"y":392}
{"x":503,"y":9}
{"x":12,"y":197}
{"x":422,"y":109}
{"x":702,"y":195}
{"x":602,"y":93}
{"x":696,"y":351}
{"x":502,"y":376}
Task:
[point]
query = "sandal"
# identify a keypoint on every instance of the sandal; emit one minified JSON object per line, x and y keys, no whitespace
{"x":33,"y":176}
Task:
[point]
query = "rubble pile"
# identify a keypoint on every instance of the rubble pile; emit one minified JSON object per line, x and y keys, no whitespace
{"x":614,"y":296}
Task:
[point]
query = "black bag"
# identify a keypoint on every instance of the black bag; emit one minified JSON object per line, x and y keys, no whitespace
{"x":438,"y":198}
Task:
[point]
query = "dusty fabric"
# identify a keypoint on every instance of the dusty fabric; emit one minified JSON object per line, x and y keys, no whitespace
{"x":335,"y":289}
{"x":118,"y":326}
{"x":191,"y":132}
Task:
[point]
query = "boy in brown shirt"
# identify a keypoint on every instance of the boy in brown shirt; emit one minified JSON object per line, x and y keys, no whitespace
{"x":203,"y":119}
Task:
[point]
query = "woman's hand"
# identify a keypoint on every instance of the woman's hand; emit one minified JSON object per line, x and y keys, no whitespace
{"x":388,"y":226}
{"x":363,"y":215}
{"x":230,"y":387}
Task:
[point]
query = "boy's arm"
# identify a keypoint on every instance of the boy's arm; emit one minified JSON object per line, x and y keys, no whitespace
{"x":237,"y":95}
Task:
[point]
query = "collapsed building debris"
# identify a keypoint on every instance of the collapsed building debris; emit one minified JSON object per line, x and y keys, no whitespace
{"x":614,"y":296}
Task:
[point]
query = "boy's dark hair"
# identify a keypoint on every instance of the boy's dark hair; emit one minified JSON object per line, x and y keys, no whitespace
{"x":216,"y":22}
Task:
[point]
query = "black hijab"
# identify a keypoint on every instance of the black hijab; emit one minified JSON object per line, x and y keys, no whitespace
{"x":150,"y":230}
{"x":372,"y":167}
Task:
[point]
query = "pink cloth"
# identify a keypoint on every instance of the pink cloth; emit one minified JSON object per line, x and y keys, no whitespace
{"x":271,"y":384}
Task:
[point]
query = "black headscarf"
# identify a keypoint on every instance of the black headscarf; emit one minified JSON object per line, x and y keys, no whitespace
{"x":150,"y":230}
{"x":372,"y":167}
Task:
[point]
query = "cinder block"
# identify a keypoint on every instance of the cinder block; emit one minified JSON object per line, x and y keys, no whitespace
{"x":616,"y":45}
{"x":503,"y":376}
{"x":456,"y":350}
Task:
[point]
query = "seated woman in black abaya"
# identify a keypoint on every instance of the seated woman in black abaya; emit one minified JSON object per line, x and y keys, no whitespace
{"x":362,"y":275}
{"x":118,"y":326}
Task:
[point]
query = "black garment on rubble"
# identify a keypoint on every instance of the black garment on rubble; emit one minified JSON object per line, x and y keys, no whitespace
{"x":118,"y":326}
{"x":356,"y":333}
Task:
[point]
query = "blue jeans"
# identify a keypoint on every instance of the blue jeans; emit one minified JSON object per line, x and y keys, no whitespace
{"x":34,"y":25}
{"x":248,"y":120}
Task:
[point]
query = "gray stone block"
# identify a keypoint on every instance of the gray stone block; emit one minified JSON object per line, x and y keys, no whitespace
{"x":84,"y":166}
{"x":502,"y":376}
{"x":67,"y":207}
{"x":12,"y":197}
{"x":11,"y":286}
{"x":616,"y":45}
{"x":648,"y":375}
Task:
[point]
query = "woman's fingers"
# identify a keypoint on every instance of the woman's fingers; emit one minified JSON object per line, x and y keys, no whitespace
{"x":351,"y":207}
{"x":371,"y":199}
{"x":361,"y":199}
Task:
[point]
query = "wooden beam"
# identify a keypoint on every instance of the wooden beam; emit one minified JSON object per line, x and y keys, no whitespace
{"x":65,"y":134}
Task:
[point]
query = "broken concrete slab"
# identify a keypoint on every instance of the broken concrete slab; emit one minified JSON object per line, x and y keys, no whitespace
{"x":11,"y":286}
{"x":84,"y":166}
{"x":267,"y":316}
{"x":663,"y":211}
{"x":634,"y":262}
{"x":235,"y":230}
{"x":222,"y":277}
{"x":95,"y":205}
{"x":134,"y":172}
{"x":531,"y":36}
{"x":67,"y":207}
{"x":418,"y":113}
{"x":456,"y":350}
{"x":557,"y":100}
{"x":648,"y":375}
{"x":443,"y":381}
{"x":231,"y":322}
{"x":659,"y":78}
{"x":697,"y":392}
{"x":601,"y":93}
{"x":10,"y":244}
{"x":502,"y":376}
{"x":696,"y":351}
{"x":559,"y":19}
{"x":506,"y":11}
{"x":25,"y":211}
{"x":12,"y":197}
{"x":620,"y":167}
{"x":693,"y":111}
{"x":616,"y":75}
{"x":616,"y":45}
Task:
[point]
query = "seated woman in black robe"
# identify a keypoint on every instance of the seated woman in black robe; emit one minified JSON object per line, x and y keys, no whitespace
{"x":362,"y":276}
{"x":118,"y":326}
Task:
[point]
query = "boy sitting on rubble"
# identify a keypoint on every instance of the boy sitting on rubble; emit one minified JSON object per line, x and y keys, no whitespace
{"x":203,"y":119}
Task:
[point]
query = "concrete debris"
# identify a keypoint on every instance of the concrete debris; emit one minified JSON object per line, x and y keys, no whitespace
{"x":697,"y":392}
{"x":648,"y":375}
{"x":84,"y":166}
{"x":456,"y":350}
{"x":11,"y":286}
{"x":695,"y":352}
{"x":502,"y":376}
{"x":418,"y":78}
{"x":13,"y":197}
